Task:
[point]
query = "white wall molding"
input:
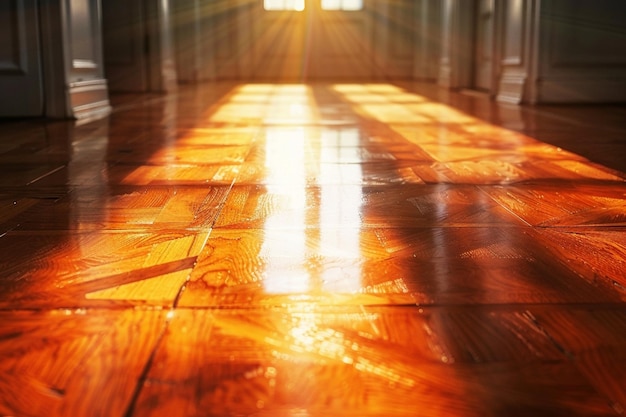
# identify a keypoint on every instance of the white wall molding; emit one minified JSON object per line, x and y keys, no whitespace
{"x":512,"y":86}
{"x":75,"y":86}
{"x":517,"y":28}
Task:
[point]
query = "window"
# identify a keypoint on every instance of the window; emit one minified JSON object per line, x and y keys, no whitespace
{"x":342,"y":4}
{"x":297,"y":5}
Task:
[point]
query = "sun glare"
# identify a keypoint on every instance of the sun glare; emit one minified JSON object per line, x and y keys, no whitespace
{"x":298,"y":5}
{"x":295,"y":5}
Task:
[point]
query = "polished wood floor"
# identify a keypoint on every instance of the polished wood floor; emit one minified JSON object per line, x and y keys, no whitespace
{"x":314,"y":250}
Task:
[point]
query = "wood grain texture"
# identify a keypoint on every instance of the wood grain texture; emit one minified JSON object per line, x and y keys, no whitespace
{"x":73,"y":362}
{"x":293,"y":250}
{"x":357,"y":362}
{"x":595,"y":253}
{"x":595,"y":338}
{"x":38,"y":273}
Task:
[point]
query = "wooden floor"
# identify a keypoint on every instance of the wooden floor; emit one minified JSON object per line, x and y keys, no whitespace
{"x":314,"y":250}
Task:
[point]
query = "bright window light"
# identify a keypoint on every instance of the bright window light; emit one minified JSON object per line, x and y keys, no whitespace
{"x":297,"y":5}
{"x":342,"y":4}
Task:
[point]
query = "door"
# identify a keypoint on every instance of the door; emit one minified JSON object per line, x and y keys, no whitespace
{"x":483,"y":61}
{"x":21,"y":85}
{"x":313,"y":39}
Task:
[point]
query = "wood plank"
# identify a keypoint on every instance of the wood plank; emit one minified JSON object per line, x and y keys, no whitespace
{"x":325,"y":249}
{"x":238,"y":267}
{"x":353,"y":362}
{"x":595,"y":339}
{"x":74,"y":362}
{"x":597,"y":254}
{"x":49,"y":270}
{"x":118,"y":208}
{"x":570,"y":203}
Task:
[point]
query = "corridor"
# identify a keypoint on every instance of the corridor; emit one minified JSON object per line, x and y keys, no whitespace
{"x":294,"y":250}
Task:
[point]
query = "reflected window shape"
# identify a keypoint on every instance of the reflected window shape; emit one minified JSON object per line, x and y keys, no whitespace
{"x":284,"y":246}
{"x":295,"y":5}
{"x":349,"y":88}
{"x":340,"y":138}
{"x":342,"y":5}
{"x":340,"y":210}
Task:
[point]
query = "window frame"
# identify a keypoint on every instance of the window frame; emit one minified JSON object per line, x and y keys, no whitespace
{"x":320,"y":4}
{"x":284,"y":9}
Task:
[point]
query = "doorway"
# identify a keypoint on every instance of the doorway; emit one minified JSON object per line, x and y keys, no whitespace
{"x":299,"y":40}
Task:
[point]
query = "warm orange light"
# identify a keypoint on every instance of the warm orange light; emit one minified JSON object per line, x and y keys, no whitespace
{"x":296,"y":5}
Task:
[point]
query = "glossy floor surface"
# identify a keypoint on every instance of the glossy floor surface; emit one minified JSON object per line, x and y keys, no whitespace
{"x":314,"y":250}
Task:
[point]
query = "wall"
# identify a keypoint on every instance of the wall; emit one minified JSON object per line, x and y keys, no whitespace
{"x":544,"y":51}
{"x":162,"y":76}
{"x":138,"y":55}
{"x":427,"y":40}
{"x":582,"y":51}
{"x":187,"y":40}
{"x":456,"y":54}
{"x":212,"y":39}
{"x":541,"y":50}
{"x":394,"y":33}
{"x":124,"y":41}
{"x":231,"y":38}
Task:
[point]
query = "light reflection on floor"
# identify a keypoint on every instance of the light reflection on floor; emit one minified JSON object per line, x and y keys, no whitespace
{"x":309,"y":250}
